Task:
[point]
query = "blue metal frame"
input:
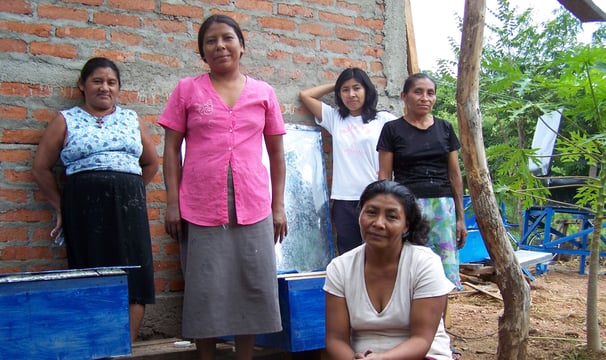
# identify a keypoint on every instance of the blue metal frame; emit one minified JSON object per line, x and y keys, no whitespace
{"x":538,"y":224}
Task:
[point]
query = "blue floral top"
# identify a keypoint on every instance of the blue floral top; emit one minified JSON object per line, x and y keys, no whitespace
{"x":108,"y":143}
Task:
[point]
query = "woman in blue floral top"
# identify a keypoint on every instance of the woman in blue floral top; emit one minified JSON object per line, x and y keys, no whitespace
{"x":108,"y":157}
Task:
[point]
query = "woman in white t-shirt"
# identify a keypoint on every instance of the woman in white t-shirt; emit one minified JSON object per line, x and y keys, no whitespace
{"x":385,"y":299}
{"x":355,"y":126}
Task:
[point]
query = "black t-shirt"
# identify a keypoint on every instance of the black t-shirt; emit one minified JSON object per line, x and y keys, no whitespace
{"x":420,"y":157}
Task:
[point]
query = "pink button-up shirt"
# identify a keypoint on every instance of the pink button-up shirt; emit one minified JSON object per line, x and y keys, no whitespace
{"x":217,"y":136}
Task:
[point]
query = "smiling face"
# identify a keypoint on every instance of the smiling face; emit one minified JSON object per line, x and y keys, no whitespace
{"x":222,"y":48}
{"x":101,"y":89}
{"x":420,"y":97}
{"x":353,"y":94}
{"x":383,"y":221}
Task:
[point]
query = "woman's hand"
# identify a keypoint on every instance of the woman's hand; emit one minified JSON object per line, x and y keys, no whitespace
{"x":173,"y":224}
{"x":280,"y":224}
{"x":461,"y":234}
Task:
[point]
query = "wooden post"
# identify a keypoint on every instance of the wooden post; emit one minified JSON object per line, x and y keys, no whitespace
{"x":514,"y":324}
{"x":411,"y":45}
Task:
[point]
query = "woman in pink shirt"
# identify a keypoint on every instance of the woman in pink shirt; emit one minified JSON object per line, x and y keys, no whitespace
{"x":218,"y":203}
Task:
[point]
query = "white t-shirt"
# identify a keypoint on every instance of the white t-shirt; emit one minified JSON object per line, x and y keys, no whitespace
{"x":420,"y":275}
{"x":354,"y":151}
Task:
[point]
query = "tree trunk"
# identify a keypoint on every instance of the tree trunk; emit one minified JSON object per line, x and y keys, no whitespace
{"x":513,"y":325}
{"x":594,"y":343}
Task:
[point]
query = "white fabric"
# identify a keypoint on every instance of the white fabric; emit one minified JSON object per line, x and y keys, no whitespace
{"x":354,"y":151}
{"x":420,"y":275}
{"x":544,"y":140}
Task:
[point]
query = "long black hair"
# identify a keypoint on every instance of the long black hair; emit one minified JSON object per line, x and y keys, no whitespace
{"x":369,"y":108}
{"x":418,"y":226}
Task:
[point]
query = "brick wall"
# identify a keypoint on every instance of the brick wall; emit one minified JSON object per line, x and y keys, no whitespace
{"x":44,"y":43}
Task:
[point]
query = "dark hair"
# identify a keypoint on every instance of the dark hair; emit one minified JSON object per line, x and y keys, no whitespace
{"x":94,"y":64}
{"x":218,"y":18}
{"x":410,"y":81}
{"x":418,"y":226}
{"x":369,"y":108}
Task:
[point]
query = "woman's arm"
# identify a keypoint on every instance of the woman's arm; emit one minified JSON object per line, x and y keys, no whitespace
{"x":311,"y":98}
{"x":456,"y":184}
{"x":277,"y":172}
{"x":149,"y":156}
{"x":338,"y":328}
{"x":46,"y":157}
{"x":385,"y":165}
{"x":172,"y":177}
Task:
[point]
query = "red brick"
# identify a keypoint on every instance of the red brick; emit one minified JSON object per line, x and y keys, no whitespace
{"x":21,"y":136}
{"x":278,"y":55}
{"x":335,"y":46}
{"x":257,"y":5}
{"x":57,"y":50}
{"x":171,"y":61}
{"x":315,"y":29}
{"x":12,"y":233}
{"x":82,"y":33}
{"x":302,"y":59}
{"x":171,"y":248}
{"x":26,"y":253}
{"x":18,"y":176}
{"x":376,"y":66}
{"x":111,"y":19}
{"x":168,"y":26}
{"x":70,"y":93}
{"x":159,"y":284}
{"x":321,"y":2}
{"x":25,"y":215}
{"x":176,"y":284}
{"x":157,"y":230}
{"x":335,"y":18}
{"x":45,"y":115}
{"x":10,"y":269}
{"x":376,"y":24}
{"x":16,"y":7}
{"x":126,"y":38}
{"x":295,"y":11}
{"x":25,"y":90}
{"x":349,"y":6}
{"x":13,"y":45}
{"x":13,"y":112}
{"x":42,"y":30}
{"x":166,"y":265}
{"x":346,"y":62}
{"x":62,"y":12}
{"x":189,"y":11}
{"x":349,"y":34}
{"x":15,"y":155}
{"x":141,"y":5}
{"x":116,"y":55}
{"x":85,"y":2}
{"x":373,"y":51}
{"x":275,"y":23}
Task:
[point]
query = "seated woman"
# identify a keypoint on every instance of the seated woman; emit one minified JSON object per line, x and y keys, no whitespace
{"x":385,"y":298}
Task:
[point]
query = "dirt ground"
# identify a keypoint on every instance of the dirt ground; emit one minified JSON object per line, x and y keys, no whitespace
{"x":557,"y":316}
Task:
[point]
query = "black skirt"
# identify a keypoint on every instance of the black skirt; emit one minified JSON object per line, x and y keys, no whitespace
{"x":105,"y":224}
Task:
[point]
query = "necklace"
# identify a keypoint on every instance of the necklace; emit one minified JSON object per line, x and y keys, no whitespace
{"x":100,"y":120}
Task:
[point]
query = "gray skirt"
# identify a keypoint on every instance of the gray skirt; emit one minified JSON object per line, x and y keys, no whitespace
{"x":231,"y":285}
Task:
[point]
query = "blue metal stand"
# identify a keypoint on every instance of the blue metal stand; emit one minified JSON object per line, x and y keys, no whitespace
{"x":538,"y":234}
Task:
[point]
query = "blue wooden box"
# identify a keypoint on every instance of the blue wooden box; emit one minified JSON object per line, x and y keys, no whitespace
{"x":71,"y":314}
{"x":302,"y":310}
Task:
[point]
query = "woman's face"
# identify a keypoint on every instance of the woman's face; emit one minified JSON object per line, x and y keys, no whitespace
{"x":420,"y":97}
{"x":383,"y":221}
{"x":222,"y":47}
{"x":101,"y":89}
{"x":353,"y":94}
